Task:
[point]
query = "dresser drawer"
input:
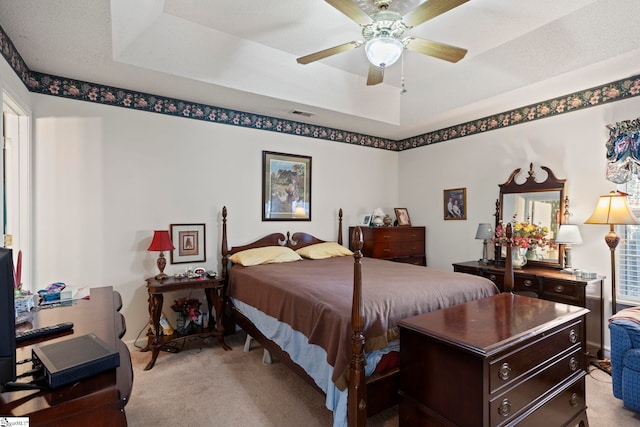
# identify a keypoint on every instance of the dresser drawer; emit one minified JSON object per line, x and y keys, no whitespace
{"x":567,"y":404}
{"x":511,"y":367}
{"x":521,"y":282}
{"x":394,"y":234}
{"x":394,"y":249}
{"x":562,"y":291}
{"x":415,"y":260}
{"x":469,"y":270}
{"x":517,"y":399}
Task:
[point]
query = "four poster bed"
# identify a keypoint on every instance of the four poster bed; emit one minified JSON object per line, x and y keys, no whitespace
{"x":332,"y":317}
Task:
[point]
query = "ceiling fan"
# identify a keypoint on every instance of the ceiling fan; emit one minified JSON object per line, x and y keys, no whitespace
{"x":383,"y":31}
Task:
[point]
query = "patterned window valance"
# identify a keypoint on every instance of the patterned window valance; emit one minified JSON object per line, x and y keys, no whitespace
{"x":623,"y":151}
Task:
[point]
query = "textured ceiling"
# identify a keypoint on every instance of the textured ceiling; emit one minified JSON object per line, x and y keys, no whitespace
{"x":242,"y":54}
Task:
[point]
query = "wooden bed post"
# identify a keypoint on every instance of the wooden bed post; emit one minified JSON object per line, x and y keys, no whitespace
{"x":508,"y":261}
{"x":340,"y":226}
{"x":225,"y":249}
{"x":357,"y":400}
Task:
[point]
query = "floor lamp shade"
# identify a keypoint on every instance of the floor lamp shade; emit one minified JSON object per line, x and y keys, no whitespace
{"x":613,"y":209}
{"x":161,"y":242}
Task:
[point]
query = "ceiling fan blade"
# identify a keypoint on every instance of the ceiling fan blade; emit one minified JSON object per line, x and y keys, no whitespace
{"x":328,"y":52}
{"x":435,"y":49}
{"x":428,"y":10}
{"x":376,"y":74}
{"x":352,"y":11}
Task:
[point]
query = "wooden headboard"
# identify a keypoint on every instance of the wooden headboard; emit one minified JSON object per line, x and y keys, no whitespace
{"x":296,"y":241}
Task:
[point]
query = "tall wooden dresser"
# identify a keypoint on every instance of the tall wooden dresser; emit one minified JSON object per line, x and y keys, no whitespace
{"x":400,"y":244}
{"x":500,"y":361}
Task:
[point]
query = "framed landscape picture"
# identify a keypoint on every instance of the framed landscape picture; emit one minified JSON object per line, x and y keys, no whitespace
{"x":455,"y":204}
{"x":286,"y":187}
{"x":189,"y":243}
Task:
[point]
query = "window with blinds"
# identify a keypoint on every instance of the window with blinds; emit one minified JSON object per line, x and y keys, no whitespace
{"x":628,"y":252}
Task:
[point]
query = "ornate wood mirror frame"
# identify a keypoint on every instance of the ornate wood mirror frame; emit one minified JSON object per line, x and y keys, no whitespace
{"x":537,"y":202}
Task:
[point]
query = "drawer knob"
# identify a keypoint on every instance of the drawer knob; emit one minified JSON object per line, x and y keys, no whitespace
{"x":505,"y":408}
{"x":558,"y":288}
{"x":386,"y":236}
{"x":573,"y":400}
{"x":504,"y":372}
{"x":387,"y":250}
{"x":573,"y":364}
{"x":492,"y":277}
{"x":528,"y":283}
{"x":573,"y":336}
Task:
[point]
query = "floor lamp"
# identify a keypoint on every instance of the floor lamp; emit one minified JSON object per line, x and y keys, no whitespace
{"x":613,"y":209}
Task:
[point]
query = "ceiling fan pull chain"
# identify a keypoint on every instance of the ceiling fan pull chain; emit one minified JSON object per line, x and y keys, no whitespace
{"x":403,"y":89}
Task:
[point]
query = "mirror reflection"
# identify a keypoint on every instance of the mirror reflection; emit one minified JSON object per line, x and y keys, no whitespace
{"x":541,"y":209}
{"x":535,"y":202}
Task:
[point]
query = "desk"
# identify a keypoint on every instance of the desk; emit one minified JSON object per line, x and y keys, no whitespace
{"x":97,"y":401}
{"x":214,"y":292}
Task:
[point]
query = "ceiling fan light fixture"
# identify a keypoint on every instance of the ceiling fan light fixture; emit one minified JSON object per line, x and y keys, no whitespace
{"x":383,"y":51}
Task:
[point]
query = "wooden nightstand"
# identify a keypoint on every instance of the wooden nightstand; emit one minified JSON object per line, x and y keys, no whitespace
{"x":552,"y":285}
{"x":505,"y":360}
{"x":214,"y":293}
{"x":400,"y":244}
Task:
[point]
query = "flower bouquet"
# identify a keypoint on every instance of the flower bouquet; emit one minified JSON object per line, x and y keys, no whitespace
{"x":524,"y":235}
{"x":525,"y":238}
{"x":188,"y":310}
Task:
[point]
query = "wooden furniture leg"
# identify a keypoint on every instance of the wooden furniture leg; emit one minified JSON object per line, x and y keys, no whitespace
{"x":154,"y":333}
{"x":215,"y":299}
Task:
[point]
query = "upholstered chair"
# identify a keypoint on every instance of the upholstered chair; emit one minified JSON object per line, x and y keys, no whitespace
{"x":625,"y":360}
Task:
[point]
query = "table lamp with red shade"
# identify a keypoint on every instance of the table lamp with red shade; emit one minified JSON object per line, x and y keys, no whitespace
{"x":161,"y":242}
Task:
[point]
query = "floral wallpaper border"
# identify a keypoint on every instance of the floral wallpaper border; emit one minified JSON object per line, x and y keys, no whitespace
{"x":93,"y":92}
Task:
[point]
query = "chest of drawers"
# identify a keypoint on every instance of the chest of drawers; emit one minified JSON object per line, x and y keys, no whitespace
{"x":401,"y":244}
{"x":552,"y":285}
{"x":500,"y":361}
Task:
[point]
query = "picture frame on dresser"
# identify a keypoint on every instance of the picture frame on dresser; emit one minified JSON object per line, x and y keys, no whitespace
{"x":364,"y":220}
{"x":402,"y":217}
{"x":286,"y":187}
{"x":455,"y":204}
{"x":189,"y":242}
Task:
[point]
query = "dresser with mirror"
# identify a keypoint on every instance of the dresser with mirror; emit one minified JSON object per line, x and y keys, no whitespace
{"x":543,"y":201}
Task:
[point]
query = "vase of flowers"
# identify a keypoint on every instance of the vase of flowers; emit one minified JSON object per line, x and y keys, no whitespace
{"x":518,"y":257}
{"x":525,"y":238}
{"x":188,"y":310}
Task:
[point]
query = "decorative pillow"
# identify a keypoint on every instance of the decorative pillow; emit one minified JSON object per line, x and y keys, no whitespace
{"x":323,"y":250}
{"x":265,"y":255}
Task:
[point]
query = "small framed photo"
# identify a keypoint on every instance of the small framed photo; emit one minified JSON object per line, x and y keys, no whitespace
{"x":455,"y":203}
{"x":365,"y":220}
{"x":189,"y":243}
{"x":402,"y":216}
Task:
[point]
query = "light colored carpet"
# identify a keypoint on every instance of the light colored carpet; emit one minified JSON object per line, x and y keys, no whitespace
{"x":204,"y":385}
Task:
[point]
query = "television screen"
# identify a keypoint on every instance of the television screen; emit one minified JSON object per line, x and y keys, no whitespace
{"x":7,"y":318}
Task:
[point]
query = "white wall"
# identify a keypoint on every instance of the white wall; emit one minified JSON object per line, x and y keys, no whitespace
{"x":106,"y":177}
{"x":571,"y":145}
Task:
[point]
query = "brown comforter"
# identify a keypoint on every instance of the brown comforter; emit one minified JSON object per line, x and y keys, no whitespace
{"x":314,"y":298}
